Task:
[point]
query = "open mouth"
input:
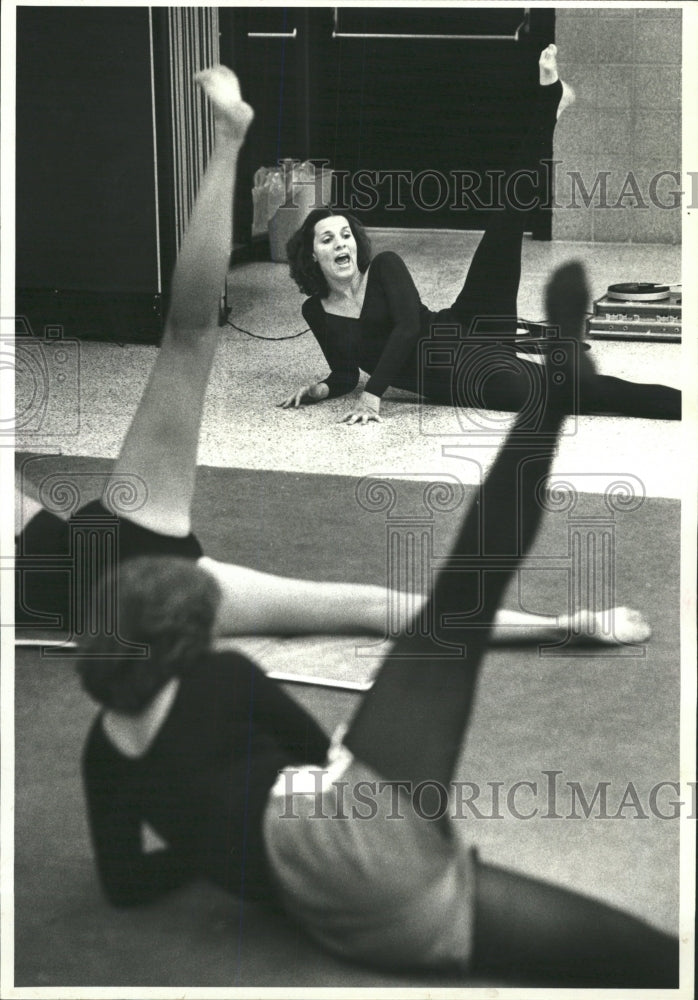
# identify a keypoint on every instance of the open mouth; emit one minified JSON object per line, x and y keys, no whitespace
{"x":342,"y":258}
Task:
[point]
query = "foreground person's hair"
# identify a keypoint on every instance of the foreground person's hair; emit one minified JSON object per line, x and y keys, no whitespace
{"x":167,"y":605}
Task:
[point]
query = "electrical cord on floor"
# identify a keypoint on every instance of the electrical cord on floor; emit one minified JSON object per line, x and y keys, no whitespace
{"x":258,"y":336}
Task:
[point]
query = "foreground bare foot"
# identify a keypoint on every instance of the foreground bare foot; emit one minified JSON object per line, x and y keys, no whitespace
{"x":548,"y":74}
{"x":221,"y":86}
{"x":567,"y":298}
{"x":612,"y":627}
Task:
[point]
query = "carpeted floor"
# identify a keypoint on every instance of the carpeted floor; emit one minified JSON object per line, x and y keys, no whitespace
{"x":244,"y":428}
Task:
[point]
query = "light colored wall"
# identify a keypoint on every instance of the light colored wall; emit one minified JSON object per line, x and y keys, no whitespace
{"x":625,"y":66}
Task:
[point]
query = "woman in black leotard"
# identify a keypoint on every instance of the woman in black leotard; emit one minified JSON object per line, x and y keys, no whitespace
{"x":367,"y":314}
{"x":190,"y":743}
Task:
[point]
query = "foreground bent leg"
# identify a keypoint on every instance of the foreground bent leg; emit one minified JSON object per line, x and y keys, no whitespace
{"x":161,"y":444}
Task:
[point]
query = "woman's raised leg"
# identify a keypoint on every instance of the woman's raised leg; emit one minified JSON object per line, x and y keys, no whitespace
{"x":161,"y":444}
{"x":492,"y":282}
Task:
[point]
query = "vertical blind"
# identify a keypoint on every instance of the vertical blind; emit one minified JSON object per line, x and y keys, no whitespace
{"x":194,"y":44}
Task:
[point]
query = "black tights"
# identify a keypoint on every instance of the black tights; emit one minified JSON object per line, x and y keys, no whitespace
{"x":411,"y":725}
{"x":511,"y":385}
{"x":538,"y":934}
{"x":486,"y":305}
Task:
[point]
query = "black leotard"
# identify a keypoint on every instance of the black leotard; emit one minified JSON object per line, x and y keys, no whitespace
{"x":383,"y":340}
{"x":202,"y":785}
{"x":47,"y":561}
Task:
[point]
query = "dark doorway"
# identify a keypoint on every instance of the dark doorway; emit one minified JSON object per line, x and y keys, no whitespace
{"x":408,"y":106}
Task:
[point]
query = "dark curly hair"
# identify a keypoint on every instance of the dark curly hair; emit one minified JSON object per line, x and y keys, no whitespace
{"x":304,"y":270}
{"x":167,"y":605}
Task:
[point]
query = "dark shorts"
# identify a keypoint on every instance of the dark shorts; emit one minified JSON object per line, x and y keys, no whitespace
{"x":55,"y":556}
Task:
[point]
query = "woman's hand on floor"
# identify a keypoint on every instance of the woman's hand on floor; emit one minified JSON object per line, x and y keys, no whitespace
{"x":366,"y":410}
{"x":312,"y":393}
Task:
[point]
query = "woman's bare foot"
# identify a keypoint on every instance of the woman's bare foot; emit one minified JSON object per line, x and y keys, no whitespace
{"x":221,"y":86}
{"x":547,"y":66}
{"x":612,"y":627}
{"x":548,"y":74}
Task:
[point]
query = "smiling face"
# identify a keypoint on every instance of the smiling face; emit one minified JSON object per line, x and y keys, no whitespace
{"x":335,"y":249}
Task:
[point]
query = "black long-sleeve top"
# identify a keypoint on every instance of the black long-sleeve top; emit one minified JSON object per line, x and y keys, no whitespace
{"x":383,"y":341}
{"x":202,"y":786}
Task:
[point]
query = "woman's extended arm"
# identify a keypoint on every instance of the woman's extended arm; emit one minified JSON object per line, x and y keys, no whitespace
{"x":282,"y":717}
{"x":340,"y":356}
{"x":314,"y":392}
{"x":405,"y":306}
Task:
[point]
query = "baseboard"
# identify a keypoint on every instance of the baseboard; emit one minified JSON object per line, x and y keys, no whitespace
{"x":258,"y":249}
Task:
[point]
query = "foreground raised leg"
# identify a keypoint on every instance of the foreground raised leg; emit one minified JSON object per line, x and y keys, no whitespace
{"x":411,"y":724}
{"x":161,"y":444}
